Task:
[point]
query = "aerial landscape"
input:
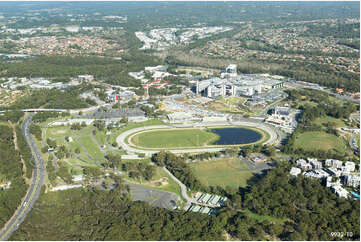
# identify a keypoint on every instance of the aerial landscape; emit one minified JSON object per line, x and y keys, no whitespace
{"x":179,"y":120}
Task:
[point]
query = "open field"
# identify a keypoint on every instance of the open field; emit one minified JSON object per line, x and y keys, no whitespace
{"x":174,"y":138}
{"x":318,"y":140}
{"x":58,"y":133}
{"x":221,"y":173}
{"x":325,"y":119}
{"x":100,"y":137}
{"x":91,"y":147}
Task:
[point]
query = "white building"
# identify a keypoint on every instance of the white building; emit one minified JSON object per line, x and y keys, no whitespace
{"x":340,"y":191}
{"x":158,"y":68}
{"x":329,"y":182}
{"x":333,"y":163}
{"x":350,"y":166}
{"x":334,"y":171}
{"x":301,"y":163}
{"x":86,"y":77}
{"x":295,"y":171}
{"x":319,"y":174}
{"x":315,"y":163}
{"x":231,"y":71}
{"x":352,"y":181}
{"x":65,"y":187}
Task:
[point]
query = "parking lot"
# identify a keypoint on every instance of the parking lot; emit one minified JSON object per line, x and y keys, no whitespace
{"x":155,"y":198}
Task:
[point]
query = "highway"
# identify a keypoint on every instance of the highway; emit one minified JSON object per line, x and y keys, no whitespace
{"x":35,"y":186}
{"x":121,"y":138}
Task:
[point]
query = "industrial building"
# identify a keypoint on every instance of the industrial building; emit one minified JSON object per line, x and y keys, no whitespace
{"x":232,"y":84}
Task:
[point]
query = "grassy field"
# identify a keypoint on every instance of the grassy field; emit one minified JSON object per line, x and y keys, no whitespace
{"x":325,"y":119}
{"x":318,"y":140}
{"x":190,"y":69}
{"x":174,"y":138}
{"x":91,"y":147}
{"x":58,"y":133}
{"x":100,"y":137}
{"x":221,"y":173}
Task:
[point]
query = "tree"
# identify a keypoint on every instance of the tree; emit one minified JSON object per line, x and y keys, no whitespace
{"x":149,"y":172}
{"x":44,"y":149}
{"x":92,"y":172}
{"x":51,"y":143}
{"x":99,"y":124}
{"x":114,"y":159}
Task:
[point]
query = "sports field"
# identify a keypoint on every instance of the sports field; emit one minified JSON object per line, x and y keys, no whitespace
{"x":318,"y":140}
{"x":174,"y":138}
{"x":224,"y":172}
{"x":183,"y":138}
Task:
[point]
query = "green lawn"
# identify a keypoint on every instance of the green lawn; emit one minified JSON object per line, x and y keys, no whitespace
{"x":325,"y":119}
{"x":100,"y":137}
{"x":221,"y":173}
{"x":83,"y":131}
{"x":91,"y":147}
{"x":58,"y":133}
{"x":173,"y":138}
{"x":76,"y":162}
{"x":319,"y":140}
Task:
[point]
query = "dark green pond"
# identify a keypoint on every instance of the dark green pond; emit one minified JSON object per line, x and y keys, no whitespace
{"x":236,"y":136}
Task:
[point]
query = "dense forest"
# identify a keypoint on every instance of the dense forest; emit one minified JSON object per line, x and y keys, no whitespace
{"x":11,"y":170}
{"x":63,"y":67}
{"x":312,"y":210}
{"x":165,"y":14}
{"x":270,"y":209}
{"x":101,"y":215}
{"x":50,"y":98}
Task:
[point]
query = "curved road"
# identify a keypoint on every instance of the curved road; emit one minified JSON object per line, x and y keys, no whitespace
{"x":121,"y":138}
{"x":182,"y":187}
{"x":34,"y":189}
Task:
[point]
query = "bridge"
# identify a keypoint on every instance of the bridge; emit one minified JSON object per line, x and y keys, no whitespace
{"x":33,"y":110}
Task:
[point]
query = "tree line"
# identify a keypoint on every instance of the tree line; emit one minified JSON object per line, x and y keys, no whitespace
{"x":11,"y":170}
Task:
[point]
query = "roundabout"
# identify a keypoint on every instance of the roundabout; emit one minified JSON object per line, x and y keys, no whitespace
{"x":187,"y":138}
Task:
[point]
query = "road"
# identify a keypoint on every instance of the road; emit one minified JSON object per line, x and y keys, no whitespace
{"x":269,"y":106}
{"x":182,"y":187}
{"x":353,"y":143}
{"x":121,"y":138}
{"x":35,"y":186}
